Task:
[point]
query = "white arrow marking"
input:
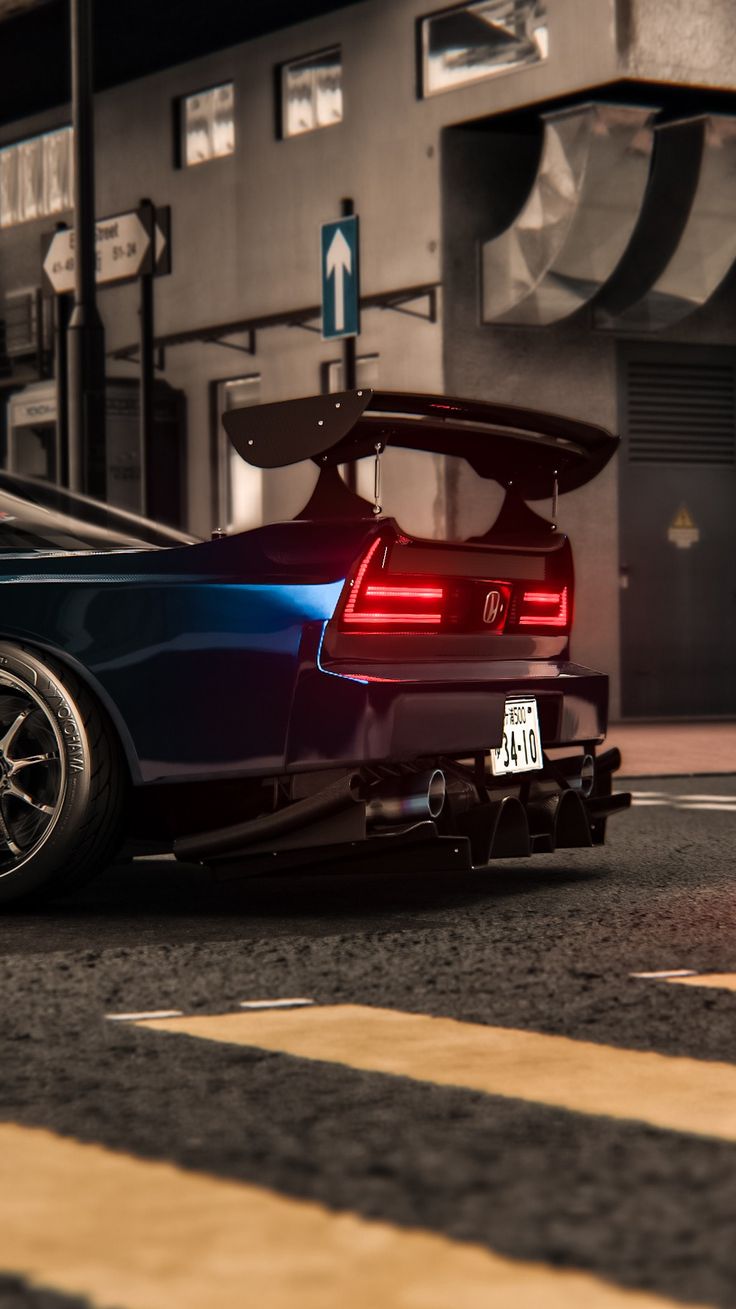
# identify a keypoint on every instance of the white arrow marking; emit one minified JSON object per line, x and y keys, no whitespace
{"x":339,"y":261}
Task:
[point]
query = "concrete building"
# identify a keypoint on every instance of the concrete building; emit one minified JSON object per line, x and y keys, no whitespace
{"x":547,"y":193}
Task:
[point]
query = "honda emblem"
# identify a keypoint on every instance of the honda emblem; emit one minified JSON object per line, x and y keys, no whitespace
{"x":492,"y":607}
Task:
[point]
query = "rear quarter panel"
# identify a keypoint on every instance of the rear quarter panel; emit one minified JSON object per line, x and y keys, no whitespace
{"x":197,"y":670}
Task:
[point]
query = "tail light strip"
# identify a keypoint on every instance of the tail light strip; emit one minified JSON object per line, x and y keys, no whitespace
{"x":374,"y":603}
{"x":557,"y":600}
{"x":349,"y":613}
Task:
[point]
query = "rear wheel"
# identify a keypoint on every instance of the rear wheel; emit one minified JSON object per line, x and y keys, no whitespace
{"x":62,"y":778}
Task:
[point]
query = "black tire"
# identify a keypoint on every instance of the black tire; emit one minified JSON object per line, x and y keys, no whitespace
{"x":63,"y":779}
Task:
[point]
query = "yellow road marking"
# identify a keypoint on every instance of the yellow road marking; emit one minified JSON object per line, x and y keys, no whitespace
{"x":672,"y":1092}
{"x":138,"y":1235}
{"x":718,"y":981}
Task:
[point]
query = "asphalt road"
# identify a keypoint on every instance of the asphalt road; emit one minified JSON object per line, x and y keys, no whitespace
{"x":544,"y":946}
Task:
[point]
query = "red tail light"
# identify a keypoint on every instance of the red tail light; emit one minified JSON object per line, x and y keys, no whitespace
{"x":544,"y":609}
{"x":376,"y":603}
{"x":384,"y":597}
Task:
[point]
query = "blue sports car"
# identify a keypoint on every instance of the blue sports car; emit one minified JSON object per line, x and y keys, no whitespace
{"x":328,"y":688}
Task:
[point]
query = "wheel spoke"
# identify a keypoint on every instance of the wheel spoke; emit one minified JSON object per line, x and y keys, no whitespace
{"x":17,"y":764}
{"x":7,"y":740}
{"x":13,"y":790}
{"x":30,"y":801}
{"x":6,"y":838}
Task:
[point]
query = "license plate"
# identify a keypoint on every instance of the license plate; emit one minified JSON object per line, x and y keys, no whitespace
{"x":521,"y":748}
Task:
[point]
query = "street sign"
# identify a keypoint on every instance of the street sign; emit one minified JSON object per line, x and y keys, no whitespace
{"x":340,"y":273}
{"x":125,"y":248}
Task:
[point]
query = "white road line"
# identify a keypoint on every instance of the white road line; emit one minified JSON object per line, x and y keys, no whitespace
{"x":274,"y":1004}
{"x":150,"y":1013}
{"x":667,"y":803}
{"x":724,"y":803}
{"x":665,"y":973}
{"x":722,"y":799}
{"x":706,"y":804}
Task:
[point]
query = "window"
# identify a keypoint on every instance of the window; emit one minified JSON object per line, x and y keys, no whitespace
{"x":240,"y":492}
{"x":479,"y":40}
{"x":36,"y":177}
{"x":311,"y":92}
{"x":208,"y":125}
{"x":366,"y":373}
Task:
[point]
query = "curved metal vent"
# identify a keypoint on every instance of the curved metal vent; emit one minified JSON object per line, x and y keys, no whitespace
{"x":578,"y":219}
{"x":681,"y":413}
{"x":685,"y":241}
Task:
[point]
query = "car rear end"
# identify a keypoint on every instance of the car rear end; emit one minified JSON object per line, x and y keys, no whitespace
{"x":438,"y":709}
{"x":438,"y":706}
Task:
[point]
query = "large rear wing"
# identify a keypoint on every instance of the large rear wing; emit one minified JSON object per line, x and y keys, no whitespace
{"x":524,"y":448}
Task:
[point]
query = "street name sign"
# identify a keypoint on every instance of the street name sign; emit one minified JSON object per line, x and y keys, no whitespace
{"x":340,"y":271}
{"x":125,"y":248}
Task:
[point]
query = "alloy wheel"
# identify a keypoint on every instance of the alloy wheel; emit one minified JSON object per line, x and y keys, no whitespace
{"x":32,"y":771}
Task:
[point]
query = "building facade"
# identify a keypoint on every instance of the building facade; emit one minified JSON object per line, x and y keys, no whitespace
{"x":546,"y":197}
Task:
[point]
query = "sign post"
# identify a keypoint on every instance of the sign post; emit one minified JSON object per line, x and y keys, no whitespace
{"x":128,"y":247}
{"x":340,"y":273}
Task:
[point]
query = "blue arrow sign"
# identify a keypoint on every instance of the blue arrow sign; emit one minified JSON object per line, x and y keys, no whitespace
{"x":340,"y":279}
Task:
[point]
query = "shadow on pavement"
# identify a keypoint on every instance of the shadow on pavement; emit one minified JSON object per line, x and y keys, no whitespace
{"x":162,"y":901}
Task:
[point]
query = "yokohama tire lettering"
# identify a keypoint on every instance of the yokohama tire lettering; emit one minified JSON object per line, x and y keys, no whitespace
{"x":70,"y":733}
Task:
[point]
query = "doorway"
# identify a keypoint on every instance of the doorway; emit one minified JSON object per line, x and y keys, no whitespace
{"x":677,"y":509}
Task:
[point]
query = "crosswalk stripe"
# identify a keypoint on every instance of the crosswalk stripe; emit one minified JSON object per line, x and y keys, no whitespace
{"x":670,"y":1092}
{"x":717,"y":981}
{"x":725,"y":803}
{"x":89,"y":1221}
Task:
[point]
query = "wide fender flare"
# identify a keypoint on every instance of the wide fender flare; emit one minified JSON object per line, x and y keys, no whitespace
{"x":95,"y":687}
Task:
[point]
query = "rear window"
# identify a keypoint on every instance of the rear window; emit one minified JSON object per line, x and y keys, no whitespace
{"x":26,"y":527}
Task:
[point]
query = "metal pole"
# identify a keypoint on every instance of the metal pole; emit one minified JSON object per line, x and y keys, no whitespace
{"x":85,"y":336}
{"x":349,"y":364}
{"x":146,"y":364}
{"x":61,"y":323}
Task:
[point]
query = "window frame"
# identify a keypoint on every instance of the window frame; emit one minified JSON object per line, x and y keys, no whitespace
{"x":15,"y":149}
{"x":280,"y":89}
{"x":220,"y":449}
{"x":422,"y":52}
{"x":180,"y":110}
{"x":328,"y":365}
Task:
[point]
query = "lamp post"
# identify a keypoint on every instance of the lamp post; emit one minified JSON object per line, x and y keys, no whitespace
{"x":86,"y":335}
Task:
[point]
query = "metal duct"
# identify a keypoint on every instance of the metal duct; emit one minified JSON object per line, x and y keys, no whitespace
{"x":578,"y":219}
{"x":685,"y":241}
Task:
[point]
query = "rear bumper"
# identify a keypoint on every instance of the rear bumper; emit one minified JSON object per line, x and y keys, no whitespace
{"x":474,"y":827}
{"x":341,"y":719}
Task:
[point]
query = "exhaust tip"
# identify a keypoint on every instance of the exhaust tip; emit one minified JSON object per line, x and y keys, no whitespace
{"x":587,"y":775}
{"x":436,"y":792}
{"x":415,"y":797}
